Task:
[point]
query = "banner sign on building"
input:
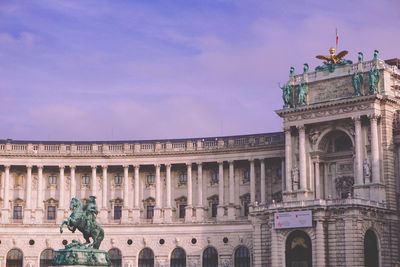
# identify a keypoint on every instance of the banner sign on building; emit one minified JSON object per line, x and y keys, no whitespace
{"x":293,"y":219}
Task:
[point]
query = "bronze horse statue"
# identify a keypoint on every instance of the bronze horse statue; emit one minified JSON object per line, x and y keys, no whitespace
{"x":83,"y":218}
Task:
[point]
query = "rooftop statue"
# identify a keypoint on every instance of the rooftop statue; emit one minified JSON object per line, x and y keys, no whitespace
{"x":306,"y":67}
{"x":287,"y":94}
{"x":376,"y":54}
{"x":302,"y":94}
{"x":291,"y":71}
{"x":358,"y":82}
{"x":83,"y":218}
{"x":373,"y":80}
{"x":360,"y":57}
{"x":332,"y":60}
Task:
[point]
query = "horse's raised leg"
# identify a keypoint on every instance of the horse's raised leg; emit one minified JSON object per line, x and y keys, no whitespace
{"x":62,"y":224}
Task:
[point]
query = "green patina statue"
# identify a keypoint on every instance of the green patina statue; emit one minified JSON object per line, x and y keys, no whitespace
{"x":287,"y":94}
{"x":373,"y":80}
{"x":360,"y":57}
{"x":358,"y":82}
{"x":83,"y":218}
{"x":333,"y":60}
{"x":376,"y":54}
{"x":291,"y":71}
{"x":302,"y":94}
{"x":306,"y":67}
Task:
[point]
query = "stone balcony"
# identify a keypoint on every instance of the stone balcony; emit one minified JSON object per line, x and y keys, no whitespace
{"x":54,"y":148}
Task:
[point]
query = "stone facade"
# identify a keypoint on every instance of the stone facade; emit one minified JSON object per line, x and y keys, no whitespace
{"x":338,"y":157}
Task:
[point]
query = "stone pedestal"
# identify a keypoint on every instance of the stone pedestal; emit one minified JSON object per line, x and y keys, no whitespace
{"x":125,"y":215}
{"x":231,"y":212}
{"x":377,"y":192}
{"x":39,"y":216}
{"x":136,"y":215}
{"x":157,"y":215}
{"x":5,"y":216}
{"x":220,"y":213}
{"x":199,"y":214}
{"x":168,"y":215}
{"x":189,"y":214}
{"x":81,"y":256}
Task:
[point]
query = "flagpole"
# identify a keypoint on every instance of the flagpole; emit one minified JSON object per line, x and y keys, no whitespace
{"x":337,"y":38}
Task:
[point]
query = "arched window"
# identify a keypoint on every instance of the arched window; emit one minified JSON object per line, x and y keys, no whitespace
{"x":115,"y":256}
{"x":178,"y":258}
{"x":14,"y":258}
{"x":210,"y":257}
{"x":242,"y":257}
{"x":46,"y":257}
{"x":298,"y":249}
{"x":371,"y":249}
{"x":146,"y":258}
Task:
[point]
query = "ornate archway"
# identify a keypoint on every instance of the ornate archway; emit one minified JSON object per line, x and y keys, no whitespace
{"x":14,"y":258}
{"x":46,"y":257}
{"x":371,"y":249}
{"x":298,"y":250}
{"x":146,"y":258}
{"x":210,"y":257}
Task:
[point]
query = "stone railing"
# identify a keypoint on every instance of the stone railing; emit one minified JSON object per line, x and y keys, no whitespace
{"x":8,"y":147}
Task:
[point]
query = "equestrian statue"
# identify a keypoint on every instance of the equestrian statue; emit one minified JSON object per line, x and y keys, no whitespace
{"x":83,"y":218}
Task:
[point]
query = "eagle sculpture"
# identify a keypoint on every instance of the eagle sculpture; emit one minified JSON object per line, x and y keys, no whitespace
{"x":333,"y":59}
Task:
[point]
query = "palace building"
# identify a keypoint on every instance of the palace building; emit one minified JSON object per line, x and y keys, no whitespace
{"x":322,"y":193}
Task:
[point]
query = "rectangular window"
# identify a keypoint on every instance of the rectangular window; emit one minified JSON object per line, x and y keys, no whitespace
{"x":150,"y":212}
{"x":183,"y":178}
{"x":246,"y":208}
{"x":150,"y":179}
{"x":85,"y":179}
{"x":214,"y":177}
{"x":117,"y":212}
{"x":246,"y":175}
{"x":182,"y":209}
{"x":52,"y":179}
{"x":118,"y":179}
{"x":17,"y":213}
{"x":51,"y":213}
{"x":214,"y":210}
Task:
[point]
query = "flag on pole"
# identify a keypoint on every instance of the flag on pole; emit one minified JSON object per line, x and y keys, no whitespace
{"x":337,"y":38}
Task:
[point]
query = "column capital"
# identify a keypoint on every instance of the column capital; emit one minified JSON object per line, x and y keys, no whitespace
{"x":220,"y":162}
{"x":199,"y":163}
{"x":356,"y":118}
{"x":61,"y":167}
{"x":39,"y":166}
{"x":301,"y":127}
{"x":168,"y":165}
{"x":72,"y":166}
{"x":93,"y":166}
{"x":231,"y":161}
{"x":286,"y":128}
{"x":189,"y":164}
{"x":373,"y":116}
{"x":251,"y":160}
{"x":104,"y":167}
{"x":28,"y":166}
{"x":125,"y":166}
{"x":7,"y":166}
{"x":157,"y":165}
{"x":136,"y":165}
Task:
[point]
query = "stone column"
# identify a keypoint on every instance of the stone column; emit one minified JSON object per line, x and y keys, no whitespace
{"x":157,"y":208}
{"x":375,"y":149}
{"x":28,"y":201}
{"x":231,"y":206}
{"x":61,"y":203}
{"x":359,"y":159}
{"x":189,"y":207}
{"x":39,"y":204}
{"x":200,"y":206}
{"x":126,"y":186}
{"x":136,"y":209}
{"x":283,"y":173}
{"x":104,"y":206}
{"x":252,"y":182}
{"x":72,"y":188}
{"x":6,"y":200}
{"x":94,"y":180}
{"x":61,"y":207}
{"x":125,"y":209}
{"x":288,"y":159}
{"x":262,"y":187}
{"x":28,"y":188}
{"x":302,"y":158}
{"x":104,"y":189}
{"x":318,"y":182}
{"x":320,"y":244}
{"x":168,"y":209}
{"x":220,"y":209}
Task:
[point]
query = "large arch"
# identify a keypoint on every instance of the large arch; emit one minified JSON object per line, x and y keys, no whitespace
{"x":115,"y":256}
{"x":178,"y":258}
{"x":14,"y":258}
{"x":371,"y":249}
{"x":146,"y":258}
{"x":46,"y":257}
{"x":210,"y":257}
{"x":298,"y":249}
{"x":242,"y":257}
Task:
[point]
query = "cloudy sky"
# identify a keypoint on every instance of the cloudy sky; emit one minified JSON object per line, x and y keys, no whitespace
{"x":125,"y":70}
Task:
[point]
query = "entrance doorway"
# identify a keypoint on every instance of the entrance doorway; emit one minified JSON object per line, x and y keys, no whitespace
{"x":371,"y":249}
{"x":298,"y":250}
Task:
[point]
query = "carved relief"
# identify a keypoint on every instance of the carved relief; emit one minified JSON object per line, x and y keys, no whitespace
{"x":314,"y":135}
{"x":344,"y":186}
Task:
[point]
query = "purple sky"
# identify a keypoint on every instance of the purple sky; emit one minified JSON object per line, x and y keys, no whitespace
{"x":124,"y":70}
